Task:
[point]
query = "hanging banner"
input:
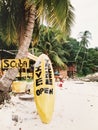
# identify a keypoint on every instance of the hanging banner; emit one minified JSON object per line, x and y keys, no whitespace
{"x":44,"y":92}
{"x":15,"y":63}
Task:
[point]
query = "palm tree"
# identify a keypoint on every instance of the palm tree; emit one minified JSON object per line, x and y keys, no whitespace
{"x":17,"y":19}
{"x":84,"y":41}
{"x":50,"y":43}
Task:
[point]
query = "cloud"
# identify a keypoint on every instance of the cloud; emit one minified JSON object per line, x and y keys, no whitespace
{"x":86,"y":18}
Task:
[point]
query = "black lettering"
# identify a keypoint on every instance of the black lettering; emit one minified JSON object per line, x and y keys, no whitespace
{"x":37,"y":92}
{"x":47,"y":76}
{"x":49,"y":70}
{"x":6,"y":63}
{"x":38,"y":71}
{"x":38,"y":74}
{"x":49,"y":81}
{"x":46,"y":90}
{"x":41,"y":90}
{"x":51,"y":91}
{"x":39,"y":82}
{"x":20,"y":64}
{"x":46,"y":65}
{"x":24,"y":64}
{"x":38,"y":68}
{"x":50,"y":75}
{"x":49,"y":66}
{"x":13,"y":64}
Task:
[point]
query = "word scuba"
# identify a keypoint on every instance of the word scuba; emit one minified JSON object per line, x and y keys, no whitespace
{"x":15,"y":63}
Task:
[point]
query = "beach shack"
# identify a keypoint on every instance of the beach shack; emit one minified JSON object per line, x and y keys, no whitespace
{"x":72,"y":69}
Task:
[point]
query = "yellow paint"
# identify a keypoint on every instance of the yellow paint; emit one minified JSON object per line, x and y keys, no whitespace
{"x":15,"y":63}
{"x":18,"y":86}
{"x":44,"y":93}
{"x":30,"y":56}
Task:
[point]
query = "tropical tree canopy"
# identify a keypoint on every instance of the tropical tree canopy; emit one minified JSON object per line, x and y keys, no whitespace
{"x":14,"y":16}
{"x":84,"y":38}
{"x":50,"y":43}
{"x":84,"y":41}
{"x":17,"y":21}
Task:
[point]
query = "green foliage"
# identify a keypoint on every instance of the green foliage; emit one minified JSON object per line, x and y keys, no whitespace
{"x":50,"y":45}
{"x":62,"y":50}
{"x":14,"y":15}
{"x":11,"y":15}
{"x":87,"y":58}
{"x":59,"y":14}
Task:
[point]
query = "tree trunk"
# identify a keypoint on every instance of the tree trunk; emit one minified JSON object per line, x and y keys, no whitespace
{"x":9,"y":76}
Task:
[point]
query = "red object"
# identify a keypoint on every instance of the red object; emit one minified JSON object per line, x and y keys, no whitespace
{"x":60,"y":85}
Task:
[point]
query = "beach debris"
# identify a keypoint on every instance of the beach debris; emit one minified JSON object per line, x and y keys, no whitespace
{"x":91,"y":77}
{"x":15,"y":118}
{"x":26,"y":97}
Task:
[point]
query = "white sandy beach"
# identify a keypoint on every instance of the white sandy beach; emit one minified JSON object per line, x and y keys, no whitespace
{"x":76,"y":108}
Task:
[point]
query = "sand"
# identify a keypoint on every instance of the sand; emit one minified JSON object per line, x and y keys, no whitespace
{"x":76,"y":108}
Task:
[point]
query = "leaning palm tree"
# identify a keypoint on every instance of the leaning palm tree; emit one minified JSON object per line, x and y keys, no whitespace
{"x":84,"y":41}
{"x":17,"y":21}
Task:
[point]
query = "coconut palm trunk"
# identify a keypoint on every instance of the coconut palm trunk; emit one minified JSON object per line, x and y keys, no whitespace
{"x":56,"y":13}
{"x":9,"y":76}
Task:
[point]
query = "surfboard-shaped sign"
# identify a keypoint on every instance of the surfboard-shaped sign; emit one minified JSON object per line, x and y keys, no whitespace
{"x":44,"y":92}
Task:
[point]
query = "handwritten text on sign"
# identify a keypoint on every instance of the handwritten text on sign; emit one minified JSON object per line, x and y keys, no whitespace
{"x":40,"y":79}
{"x":15,"y":63}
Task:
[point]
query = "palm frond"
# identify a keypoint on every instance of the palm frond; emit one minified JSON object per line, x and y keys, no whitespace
{"x":56,"y":59}
{"x":59,"y":14}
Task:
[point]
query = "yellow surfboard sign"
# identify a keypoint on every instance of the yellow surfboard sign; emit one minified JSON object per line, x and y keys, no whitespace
{"x":44,"y":92}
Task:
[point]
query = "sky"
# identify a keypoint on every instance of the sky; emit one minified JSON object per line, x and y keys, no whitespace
{"x":86,"y":18}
